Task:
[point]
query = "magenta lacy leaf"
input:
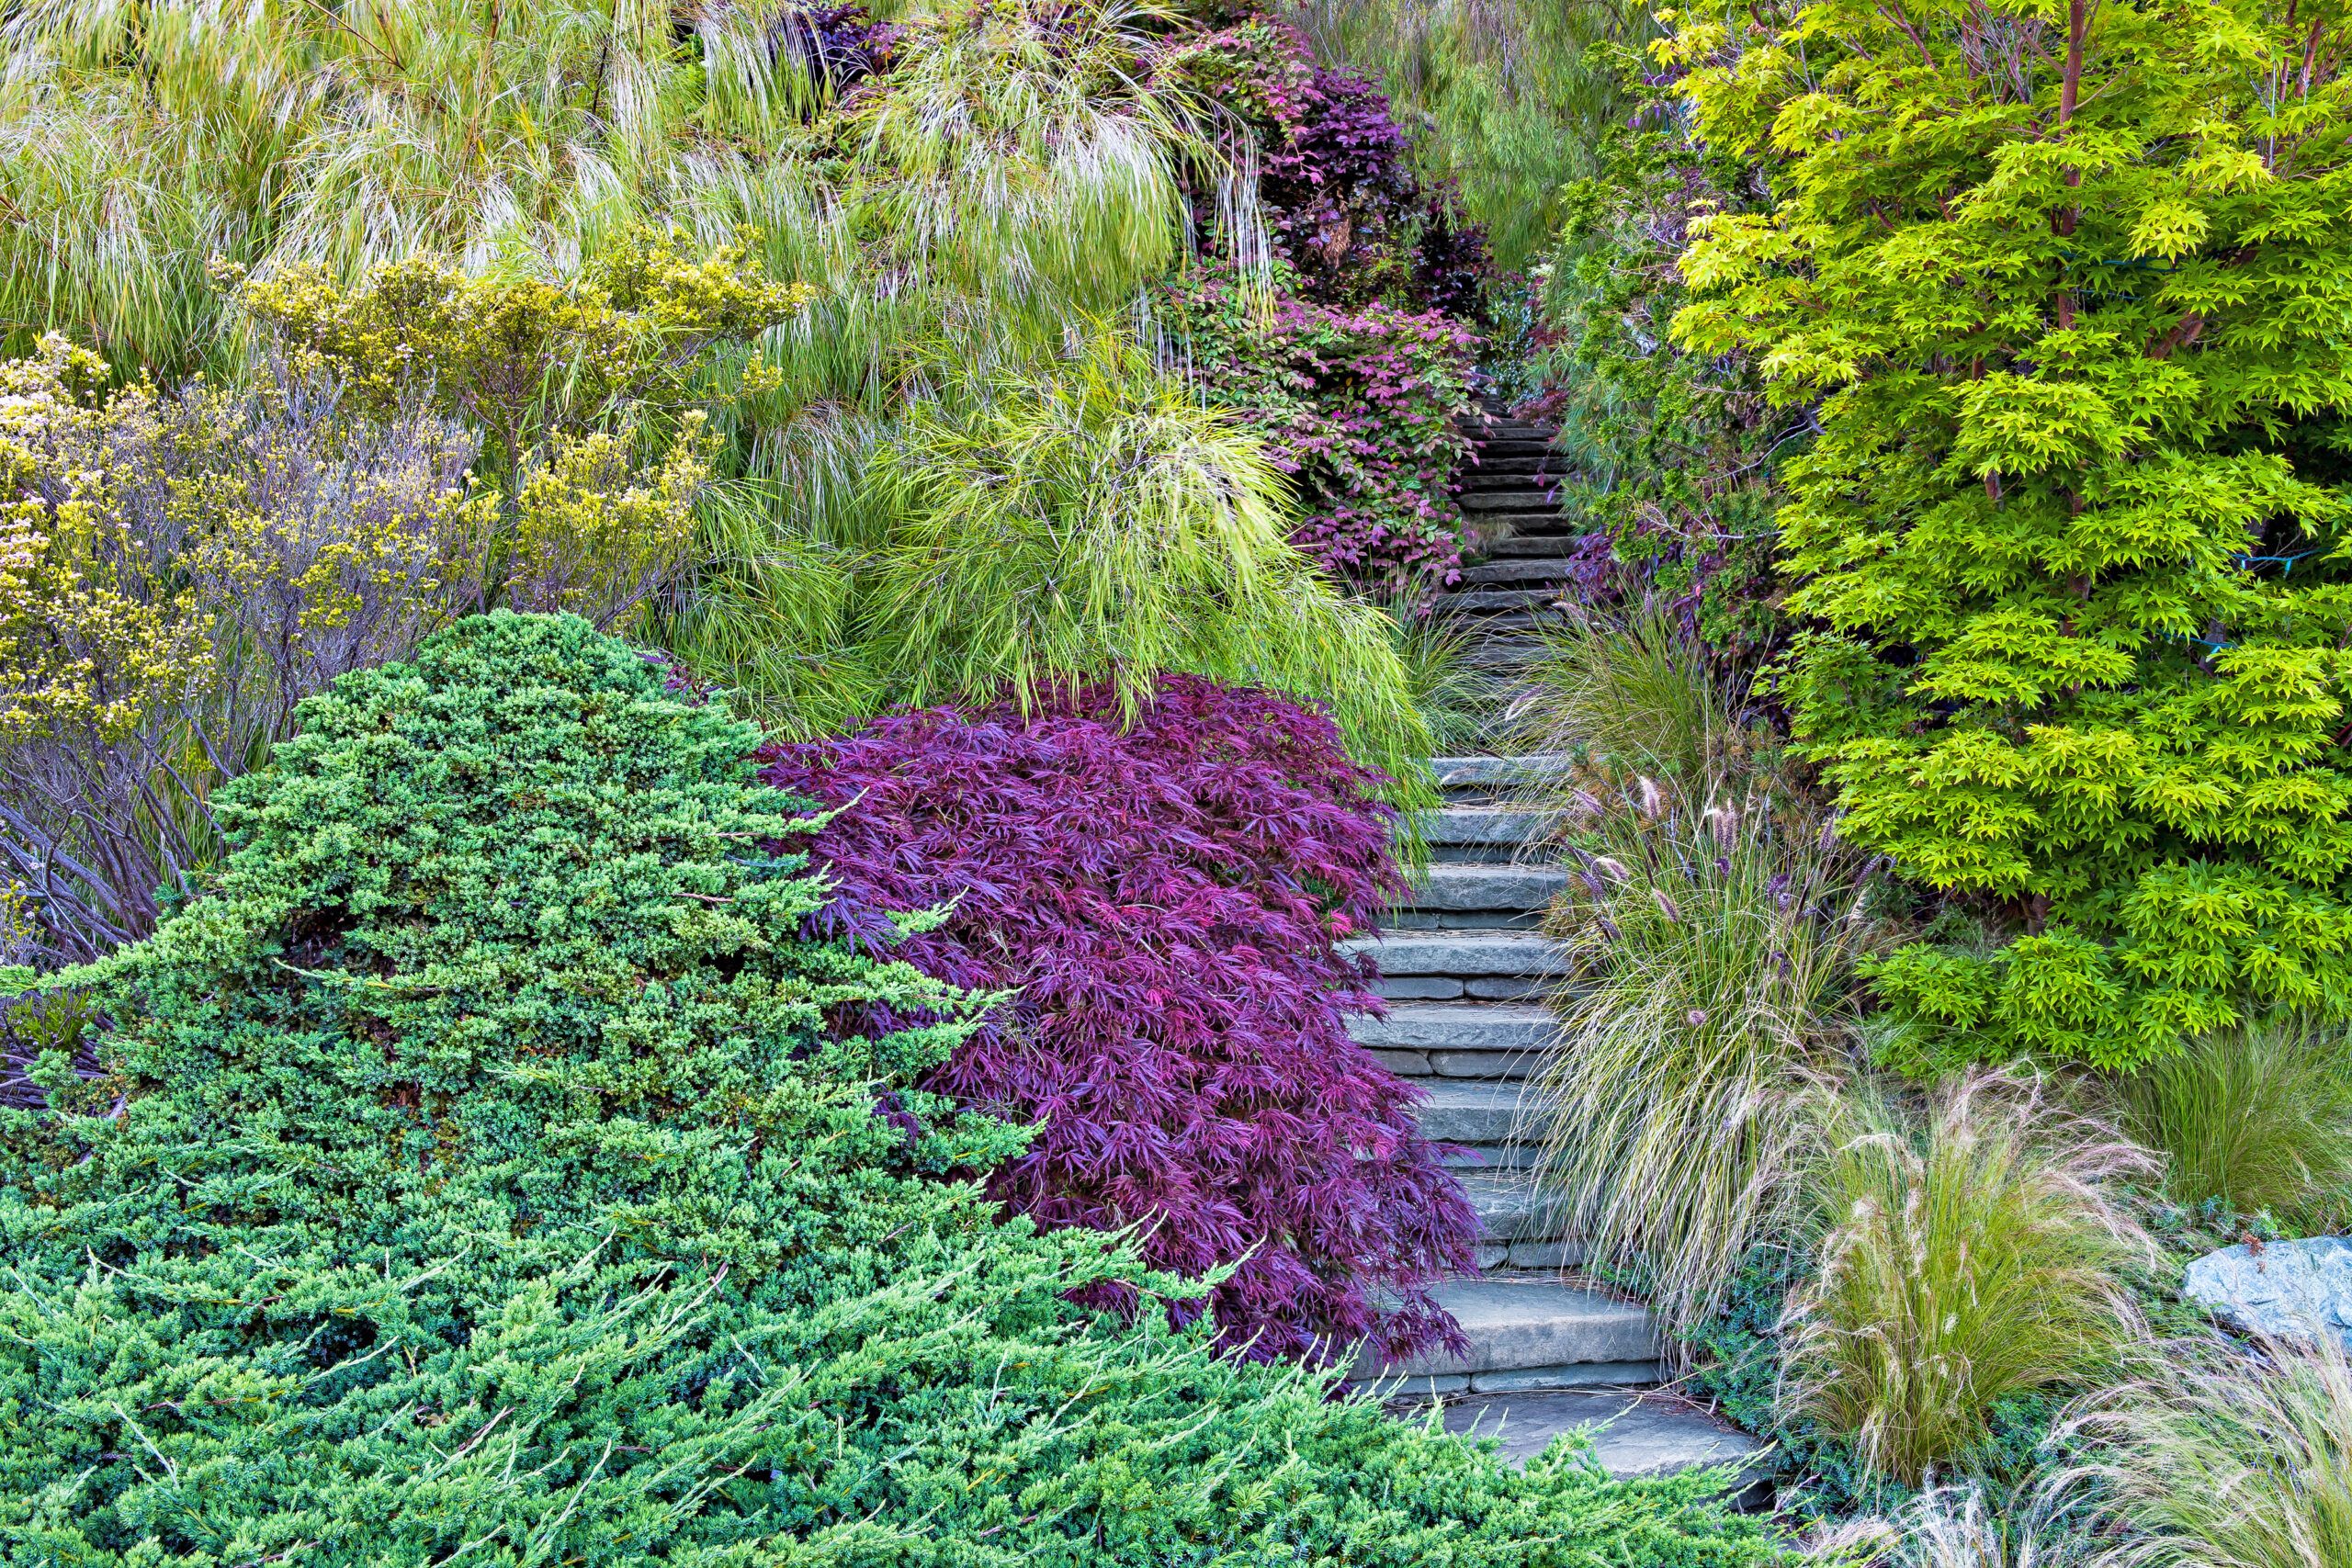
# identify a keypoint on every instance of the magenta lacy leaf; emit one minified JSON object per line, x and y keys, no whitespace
{"x":1166,"y":900}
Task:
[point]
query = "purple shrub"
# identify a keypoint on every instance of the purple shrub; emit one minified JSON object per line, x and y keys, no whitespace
{"x":1165,"y":898}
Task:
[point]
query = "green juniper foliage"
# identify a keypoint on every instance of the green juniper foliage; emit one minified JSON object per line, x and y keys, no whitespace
{"x":2071,"y":283}
{"x":485,"y":1169}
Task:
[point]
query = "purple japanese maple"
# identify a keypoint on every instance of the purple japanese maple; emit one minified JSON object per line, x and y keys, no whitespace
{"x":1166,"y":898}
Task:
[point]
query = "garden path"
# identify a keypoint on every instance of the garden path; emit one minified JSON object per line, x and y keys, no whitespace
{"x":1464,"y":968}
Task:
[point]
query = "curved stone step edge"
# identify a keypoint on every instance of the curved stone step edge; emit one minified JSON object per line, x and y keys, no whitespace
{"x":1522,"y":1323}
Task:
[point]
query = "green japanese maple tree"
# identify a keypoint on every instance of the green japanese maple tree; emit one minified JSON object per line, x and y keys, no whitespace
{"x":2072,"y":281}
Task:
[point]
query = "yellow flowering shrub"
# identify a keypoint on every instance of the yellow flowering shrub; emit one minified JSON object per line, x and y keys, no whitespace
{"x":595,"y":536}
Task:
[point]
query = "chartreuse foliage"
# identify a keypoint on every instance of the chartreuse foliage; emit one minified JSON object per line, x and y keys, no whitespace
{"x":2071,"y":284}
{"x":488,"y":1170}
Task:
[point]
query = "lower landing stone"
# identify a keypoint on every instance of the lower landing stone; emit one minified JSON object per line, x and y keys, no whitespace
{"x":1633,"y":1435}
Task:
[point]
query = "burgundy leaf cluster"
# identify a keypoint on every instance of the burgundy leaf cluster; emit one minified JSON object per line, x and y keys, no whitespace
{"x":841,"y":45}
{"x":1341,"y":202}
{"x":1165,"y":898}
{"x":1358,"y":407}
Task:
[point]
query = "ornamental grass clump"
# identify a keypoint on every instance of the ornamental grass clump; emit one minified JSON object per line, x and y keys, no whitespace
{"x":1705,"y":1033}
{"x":1162,"y":899}
{"x":1979,"y":1255}
{"x":489,"y":1168}
{"x":2222,"y":1456}
{"x":2256,"y":1120}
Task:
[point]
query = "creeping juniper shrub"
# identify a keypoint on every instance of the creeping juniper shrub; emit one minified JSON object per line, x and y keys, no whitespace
{"x":1164,"y":899}
{"x":491,"y":1169}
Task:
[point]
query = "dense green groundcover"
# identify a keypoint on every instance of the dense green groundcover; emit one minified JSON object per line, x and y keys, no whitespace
{"x":488,"y":1172}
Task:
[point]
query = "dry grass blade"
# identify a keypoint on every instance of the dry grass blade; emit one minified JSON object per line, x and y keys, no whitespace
{"x":2221,"y":1459}
{"x":1702,"y":1040}
{"x":1979,"y":1255}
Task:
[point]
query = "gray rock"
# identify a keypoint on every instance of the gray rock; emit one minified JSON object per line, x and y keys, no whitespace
{"x":1475,"y":1113}
{"x":1512,"y":1206}
{"x":1418,"y":987}
{"x":1480,"y":885}
{"x":1462,"y":772}
{"x":1463,"y":1027}
{"x":2288,"y":1289}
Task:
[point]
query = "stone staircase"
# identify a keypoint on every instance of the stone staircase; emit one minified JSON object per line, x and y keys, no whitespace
{"x":1465,"y":971}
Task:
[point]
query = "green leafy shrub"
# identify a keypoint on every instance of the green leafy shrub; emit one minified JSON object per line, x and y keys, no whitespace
{"x":1671,"y":458}
{"x":2254,"y":1120}
{"x":2219,"y":1456}
{"x":1981,"y":1256}
{"x":486,"y":1167}
{"x":2068,"y":535}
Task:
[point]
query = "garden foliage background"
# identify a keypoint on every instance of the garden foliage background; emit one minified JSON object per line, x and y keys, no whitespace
{"x":633,"y":639}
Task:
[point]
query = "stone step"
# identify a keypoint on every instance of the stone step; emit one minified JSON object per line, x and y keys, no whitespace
{"x":1497,"y":481}
{"x":1512,"y":1206}
{"x":1465,"y":885}
{"x":1489,"y":1115}
{"x":1497,"y":828}
{"x":1527,"y":1330}
{"x":1519,"y":569}
{"x":1448,"y":965}
{"x":1495,"y":463}
{"x":1459,"y":1039}
{"x":1484,"y":601}
{"x":1484,"y":449}
{"x":1543,"y":547}
{"x":1514,"y":501}
{"x":1635,"y":1436}
{"x":1486,"y":775}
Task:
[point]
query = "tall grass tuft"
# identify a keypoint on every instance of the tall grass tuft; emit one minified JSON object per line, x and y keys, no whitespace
{"x":1702,"y":1040}
{"x":2219,"y":1458}
{"x":1979,"y":1255}
{"x":1460,"y":702}
{"x":1635,"y":695}
{"x":2254,"y":1119}
{"x":1955,"y":1527}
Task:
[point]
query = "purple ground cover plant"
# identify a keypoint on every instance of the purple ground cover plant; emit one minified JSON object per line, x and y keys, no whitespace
{"x":1166,"y":898}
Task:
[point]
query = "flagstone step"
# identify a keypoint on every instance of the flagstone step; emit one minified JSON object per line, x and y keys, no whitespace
{"x":1514,"y":1206}
{"x":1458,"y":774}
{"x":1521,"y":570}
{"x":1460,"y":1039}
{"x":1434,"y":965}
{"x":1489,"y":1114}
{"x":1480,"y":833}
{"x":1552,"y":1330}
{"x":1539,"y":547}
{"x":1492,"y":462}
{"x":1534,"y":500}
{"x":1635,"y":1436}
{"x":1485,"y":888}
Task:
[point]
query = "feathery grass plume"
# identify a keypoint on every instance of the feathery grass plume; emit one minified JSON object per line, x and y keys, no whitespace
{"x":2220,"y":1457}
{"x":2255,"y":1119}
{"x":1702,"y":1039}
{"x":1957,"y":1527}
{"x":1977,"y":1255}
{"x":1632,"y":694}
{"x":1092,"y":520}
